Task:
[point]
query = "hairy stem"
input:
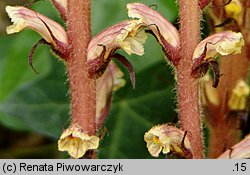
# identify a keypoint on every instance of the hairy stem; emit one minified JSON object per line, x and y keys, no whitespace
{"x":82,"y":88}
{"x":188,"y":88}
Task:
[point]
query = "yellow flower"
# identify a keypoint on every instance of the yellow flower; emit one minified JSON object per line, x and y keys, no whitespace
{"x":77,"y":142}
{"x":233,"y":10}
{"x":239,"y":96}
{"x":166,"y":139}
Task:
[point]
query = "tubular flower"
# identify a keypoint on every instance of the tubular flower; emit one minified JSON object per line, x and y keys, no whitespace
{"x":239,"y":151}
{"x":223,"y":43}
{"x":77,"y":142}
{"x":50,"y":30}
{"x":111,"y":81}
{"x":156,"y":24}
{"x":167,"y":139}
{"x":126,"y":35}
{"x":239,"y":96}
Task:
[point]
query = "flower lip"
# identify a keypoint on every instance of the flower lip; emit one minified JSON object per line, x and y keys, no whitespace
{"x":77,"y":142}
{"x":25,"y":18}
{"x":167,"y":139}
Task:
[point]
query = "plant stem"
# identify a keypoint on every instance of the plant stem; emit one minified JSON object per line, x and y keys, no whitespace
{"x":188,"y":88}
{"x":82,"y":88}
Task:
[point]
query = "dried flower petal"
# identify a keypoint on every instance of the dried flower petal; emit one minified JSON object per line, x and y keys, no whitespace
{"x":111,"y":81}
{"x":223,"y":43}
{"x":239,"y":151}
{"x":25,"y":18}
{"x":126,"y":35}
{"x":239,"y":96}
{"x":77,"y":142}
{"x":166,"y":139}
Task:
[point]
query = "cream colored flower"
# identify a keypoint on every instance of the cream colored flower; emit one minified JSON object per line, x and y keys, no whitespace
{"x":77,"y":142}
{"x":155,"y":24}
{"x":151,"y":19}
{"x":223,"y":43}
{"x":166,"y":139}
{"x":126,"y":35}
{"x":239,"y":96}
{"x":24,"y":18}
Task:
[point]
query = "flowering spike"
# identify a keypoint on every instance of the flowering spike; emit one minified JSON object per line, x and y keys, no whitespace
{"x":126,"y":35}
{"x":51,"y":31}
{"x":41,"y":41}
{"x":223,"y":43}
{"x":160,"y":27}
{"x":77,"y":142}
{"x":168,"y":139}
{"x":128,"y":65}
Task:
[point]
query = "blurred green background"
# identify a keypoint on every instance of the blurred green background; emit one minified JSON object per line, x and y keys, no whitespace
{"x":34,"y":109}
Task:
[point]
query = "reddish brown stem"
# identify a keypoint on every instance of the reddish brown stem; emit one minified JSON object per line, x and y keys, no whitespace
{"x":188,"y":88}
{"x":82,"y":88}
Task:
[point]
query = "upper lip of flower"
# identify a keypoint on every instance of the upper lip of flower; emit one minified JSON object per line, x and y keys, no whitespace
{"x":26,"y":18}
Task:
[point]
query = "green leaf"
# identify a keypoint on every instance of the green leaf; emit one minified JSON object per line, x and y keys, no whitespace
{"x":135,"y":112}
